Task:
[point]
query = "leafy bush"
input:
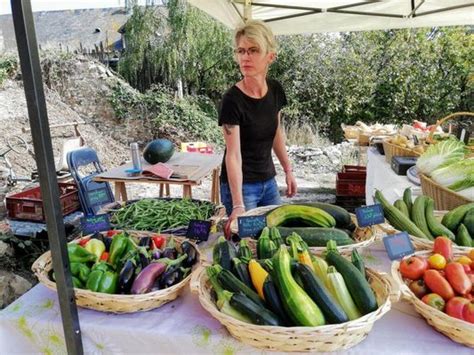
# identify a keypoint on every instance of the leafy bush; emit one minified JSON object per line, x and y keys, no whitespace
{"x":8,"y":66}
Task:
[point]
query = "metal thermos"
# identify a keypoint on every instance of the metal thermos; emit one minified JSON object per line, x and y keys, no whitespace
{"x":136,"y":158}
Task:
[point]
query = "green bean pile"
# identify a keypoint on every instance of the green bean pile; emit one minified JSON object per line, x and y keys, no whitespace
{"x":157,"y":215}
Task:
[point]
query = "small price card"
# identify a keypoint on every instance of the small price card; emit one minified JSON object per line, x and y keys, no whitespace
{"x":198,"y":229}
{"x":370,"y":215}
{"x":95,"y":223}
{"x":251,"y":226}
{"x":398,"y":245}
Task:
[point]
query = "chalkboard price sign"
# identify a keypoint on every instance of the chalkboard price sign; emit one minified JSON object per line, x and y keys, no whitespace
{"x":198,"y":229}
{"x":98,"y":197}
{"x":398,"y":245}
{"x":95,"y":223}
{"x":370,"y":215}
{"x":251,"y":226}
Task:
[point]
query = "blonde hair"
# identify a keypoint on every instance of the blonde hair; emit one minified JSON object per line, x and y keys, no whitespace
{"x":258,"y":32}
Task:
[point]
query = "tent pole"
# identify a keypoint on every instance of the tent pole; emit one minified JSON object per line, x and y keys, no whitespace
{"x":247,"y":10}
{"x":35,"y":99}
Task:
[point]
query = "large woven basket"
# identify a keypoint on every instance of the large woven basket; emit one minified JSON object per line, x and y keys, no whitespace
{"x":420,"y":243}
{"x":363,"y":236}
{"x":458,"y":330}
{"x":393,"y":150}
{"x":444,"y":198}
{"x":115,"y":303}
{"x":308,"y":339}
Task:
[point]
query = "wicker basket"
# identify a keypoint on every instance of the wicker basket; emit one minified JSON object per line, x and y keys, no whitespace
{"x":308,"y":339}
{"x":444,"y":198}
{"x":393,"y":150}
{"x":363,"y":236}
{"x":458,"y":330}
{"x":420,"y":243}
{"x":116,"y":303}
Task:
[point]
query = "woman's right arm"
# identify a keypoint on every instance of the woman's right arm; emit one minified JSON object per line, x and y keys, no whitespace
{"x":233,"y":161}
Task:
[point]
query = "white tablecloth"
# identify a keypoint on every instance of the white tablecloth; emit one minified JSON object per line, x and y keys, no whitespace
{"x":380,"y":176}
{"x":32,"y":324}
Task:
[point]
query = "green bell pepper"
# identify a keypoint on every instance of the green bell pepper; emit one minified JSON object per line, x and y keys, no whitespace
{"x":81,"y":271}
{"x":102,"y":279}
{"x":78,"y":254}
{"x":108,"y":282}
{"x":96,"y":247}
{"x":93,"y":282}
{"x":118,"y":248}
{"x":77,"y":283}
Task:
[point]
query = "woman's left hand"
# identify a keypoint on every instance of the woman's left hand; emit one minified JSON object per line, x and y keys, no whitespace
{"x":291,"y":187}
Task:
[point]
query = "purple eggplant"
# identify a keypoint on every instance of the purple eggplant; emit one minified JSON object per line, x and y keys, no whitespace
{"x":145,"y":279}
{"x":144,"y":261}
{"x":189,"y":249}
{"x":170,"y":251}
{"x":144,"y":242}
{"x":156,"y":254}
{"x":126,"y":277}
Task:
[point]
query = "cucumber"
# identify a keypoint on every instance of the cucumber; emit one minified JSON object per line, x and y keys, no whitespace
{"x":316,"y":236}
{"x":315,"y":289}
{"x":356,"y":283}
{"x":462,"y":236}
{"x":468,"y":221}
{"x":436,"y":228}
{"x":300,"y":216}
{"x":453,"y":218}
{"x":402,"y":207}
{"x":408,"y":199}
{"x":342,"y":217}
{"x":231,"y":283}
{"x":418,"y":215}
{"x":256,"y":312}
{"x":397,"y":218}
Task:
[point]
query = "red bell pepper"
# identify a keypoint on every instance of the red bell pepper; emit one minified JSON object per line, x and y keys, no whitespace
{"x":159,"y":241}
{"x":84,"y":241}
{"x":104,"y":256}
{"x":111,"y":233}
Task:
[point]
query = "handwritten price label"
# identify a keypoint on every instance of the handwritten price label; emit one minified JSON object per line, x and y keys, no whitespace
{"x":95,"y":223}
{"x":370,"y":215}
{"x":398,"y":245}
{"x":198,"y":229}
{"x":251,"y":226}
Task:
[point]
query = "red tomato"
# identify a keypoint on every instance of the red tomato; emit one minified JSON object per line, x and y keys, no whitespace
{"x":467,"y":269}
{"x":111,"y":233}
{"x":434,"y":300}
{"x":443,"y":246}
{"x":413,"y":267}
{"x":457,"y":278}
{"x":104,"y":256}
{"x":468,"y":312}
{"x":84,"y":241}
{"x":419,"y":288}
{"x":438,"y":284}
{"x":158,"y":240}
{"x":455,"y":307}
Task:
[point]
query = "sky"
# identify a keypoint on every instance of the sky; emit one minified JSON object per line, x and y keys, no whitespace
{"x":52,"y":5}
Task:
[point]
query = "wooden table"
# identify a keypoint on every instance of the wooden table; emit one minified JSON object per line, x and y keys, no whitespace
{"x":197,"y":165}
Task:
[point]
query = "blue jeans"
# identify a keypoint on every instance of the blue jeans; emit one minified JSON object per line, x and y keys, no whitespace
{"x":255,"y":194}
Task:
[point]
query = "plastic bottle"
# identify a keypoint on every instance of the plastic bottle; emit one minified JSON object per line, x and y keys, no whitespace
{"x":136,"y":159}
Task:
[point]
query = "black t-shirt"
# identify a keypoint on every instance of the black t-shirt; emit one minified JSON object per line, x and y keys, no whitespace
{"x":258,"y":121}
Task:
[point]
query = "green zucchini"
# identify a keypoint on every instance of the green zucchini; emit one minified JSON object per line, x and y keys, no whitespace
{"x":298,"y":305}
{"x":356,"y":283}
{"x":342,"y":217}
{"x":241,"y":270}
{"x":397,"y":218}
{"x":408,"y":199}
{"x":272,"y":299}
{"x":358,"y":262}
{"x":231,"y":283}
{"x":338,"y":289}
{"x":418,"y":215}
{"x":315,"y":289}
{"x":300,"y":215}
{"x":265,"y":246}
{"x":276,"y":237}
{"x":436,"y":228}
{"x":453,"y":218}
{"x":244,"y":253}
{"x":257,"y":313}
{"x":223,"y":253}
{"x":316,"y":236}
{"x":468,"y":221}
{"x":402,"y":207}
{"x":462,"y":236}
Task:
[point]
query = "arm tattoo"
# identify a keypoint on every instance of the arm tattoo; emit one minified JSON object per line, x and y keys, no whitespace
{"x":228,"y":128}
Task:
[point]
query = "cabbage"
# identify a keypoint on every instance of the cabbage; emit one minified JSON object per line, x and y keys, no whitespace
{"x":467,"y":193}
{"x":440,"y":155}
{"x":457,"y":176}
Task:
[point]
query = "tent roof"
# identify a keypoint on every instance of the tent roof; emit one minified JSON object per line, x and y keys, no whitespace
{"x":304,"y":16}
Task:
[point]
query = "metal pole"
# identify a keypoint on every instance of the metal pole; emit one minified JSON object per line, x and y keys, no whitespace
{"x":247,"y":10}
{"x":32,"y":80}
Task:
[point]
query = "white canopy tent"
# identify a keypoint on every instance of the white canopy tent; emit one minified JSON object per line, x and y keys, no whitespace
{"x":305,"y":16}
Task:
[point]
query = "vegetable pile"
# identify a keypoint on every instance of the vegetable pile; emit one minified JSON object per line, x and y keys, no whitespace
{"x":417,"y":218}
{"x":446,"y":164}
{"x":442,"y":281}
{"x":119,"y":263}
{"x":287,"y":286}
{"x":158,"y":215}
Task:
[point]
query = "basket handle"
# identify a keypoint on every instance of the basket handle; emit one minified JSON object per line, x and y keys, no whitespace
{"x":429,"y":139}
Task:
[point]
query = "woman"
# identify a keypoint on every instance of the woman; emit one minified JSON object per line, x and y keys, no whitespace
{"x":250,"y":118}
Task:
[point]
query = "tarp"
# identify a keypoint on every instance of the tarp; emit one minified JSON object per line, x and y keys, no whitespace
{"x":305,"y":16}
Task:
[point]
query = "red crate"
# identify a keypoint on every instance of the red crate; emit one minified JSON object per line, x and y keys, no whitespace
{"x":350,"y":184}
{"x":28,"y":205}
